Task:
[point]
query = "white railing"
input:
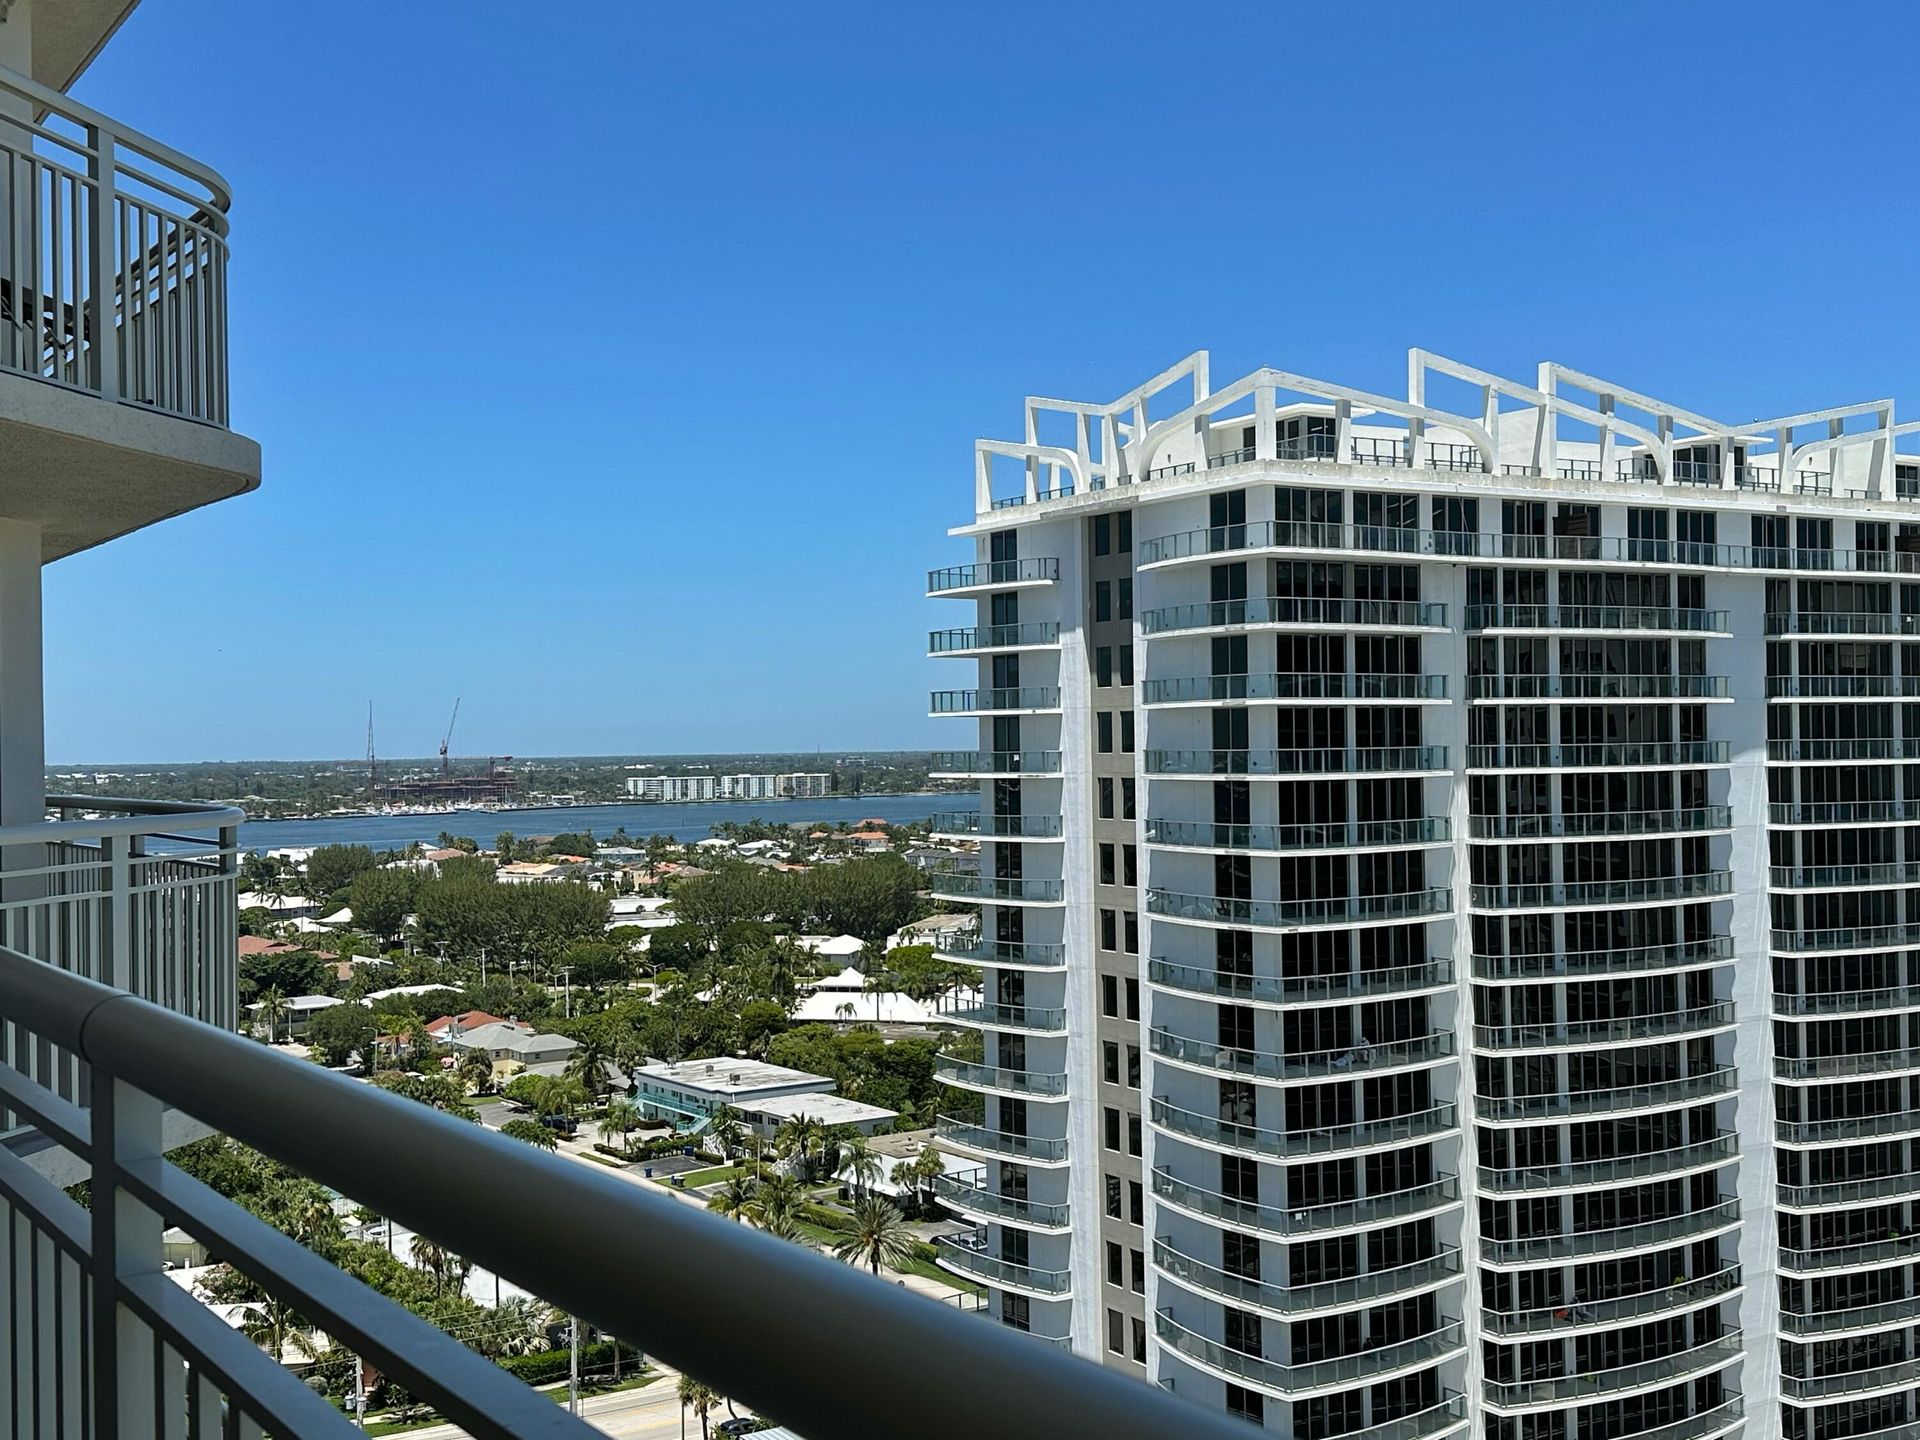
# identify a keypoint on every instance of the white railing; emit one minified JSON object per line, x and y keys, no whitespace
{"x":113,"y":258}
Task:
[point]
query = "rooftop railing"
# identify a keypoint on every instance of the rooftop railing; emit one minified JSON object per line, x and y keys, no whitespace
{"x":116,"y":283}
{"x":107,"y":1333}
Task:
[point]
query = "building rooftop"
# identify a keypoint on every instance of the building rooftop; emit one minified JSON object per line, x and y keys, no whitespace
{"x":725,"y":1073}
{"x":827,"y":1109}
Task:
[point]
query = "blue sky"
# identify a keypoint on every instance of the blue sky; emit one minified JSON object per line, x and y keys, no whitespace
{"x":617,"y":365}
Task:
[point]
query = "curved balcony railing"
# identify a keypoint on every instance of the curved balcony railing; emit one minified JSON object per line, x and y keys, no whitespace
{"x":1336,"y":834}
{"x":1614,"y":755}
{"x":1295,"y":1301}
{"x":1842,"y":687}
{"x":1835,"y":877}
{"x":1675,"y":1229}
{"x":1033,"y":634}
{"x":1651,"y":890}
{"x":1616,"y":1310}
{"x":1005,"y":700}
{"x":972,"y":1075}
{"x":969,"y":1255}
{"x":1867,"y":748}
{"x":1597,"y":687}
{"x":1859,"y":937}
{"x":1591,"y":1385}
{"x":991,"y":574}
{"x":958,"y":764}
{"x":1656,"y":1095}
{"x":1210,"y":981}
{"x":1616,"y":1170}
{"x":1843,"y":1128}
{"x":1013,"y":954}
{"x":1841,"y":622}
{"x":1291,"y":610}
{"x":1033,"y":1149}
{"x":1344,"y":1370}
{"x":1900,"y":1375}
{"x":1039,"y":1019}
{"x":1324,"y":760}
{"x":1277,"y":914}
{"x":996,"y":827}
{"x":965,"y":885}
{"x":1362,"y":1055}
{"x":1841,"y":812}
{"x":1850,"y":1192}
{"x":1635,"y":1030}
{"x":1300,"y":685}
{"x":1896,"y":1250}
{"x":970,"y":1193}
{"x":1582,"y":965}
{"x":1602,"y":825}
{"x":1852,"y":1317}
{"x":1294,"y":1222}
{"x":1839,"y":1067}
{"x":1595,"y":617}
{"x":1287,"y":1144}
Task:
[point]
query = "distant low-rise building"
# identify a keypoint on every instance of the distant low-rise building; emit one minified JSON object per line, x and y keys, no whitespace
{"x":685,"y":1093}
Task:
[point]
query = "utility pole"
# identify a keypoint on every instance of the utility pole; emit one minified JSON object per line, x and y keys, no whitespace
{"x":566,"y":978}
{"x":359,"y":1392}
{"x":573,"y":1363}
{"x":483,"y":964}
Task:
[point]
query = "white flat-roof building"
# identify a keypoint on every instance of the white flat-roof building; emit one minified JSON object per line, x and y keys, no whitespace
{"x":687,"y":1092}
{"x":763,"y":1117}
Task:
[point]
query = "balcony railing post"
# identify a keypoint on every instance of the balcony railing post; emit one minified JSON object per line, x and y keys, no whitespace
{"x":126,"y":1242}
{"x":104,"y":341}
{"x":116,"y":956}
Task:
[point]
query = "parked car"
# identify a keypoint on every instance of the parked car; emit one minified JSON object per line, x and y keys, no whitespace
{"x":744,"y":1425}
{"x":561,"y":1124}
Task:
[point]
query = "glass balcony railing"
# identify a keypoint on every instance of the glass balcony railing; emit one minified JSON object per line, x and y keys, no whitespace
{"x":1650,"y":890}
{"x":1605,"y":824}
{"x":1849,"y":1192}
{"x":1841,"y":812}
{"x":1014,"y":954}
{"x":1292,"y":685}
{"x":1362,"y":760}
{"x":1842,"y":687}
{"x":972,"y":1075}
{"x":964,"y":885}
{"x":1337,"y":834}
{"x":1595,"y":617}
{"x":948,"y":764}
{"x":1361,"y":1056}
{"x":1289,"y":610}
{"x":1851,"y":1317}
{"x":1900,"y":1375}
{"x":1658,"y":1094}
{"x":969,"y":1193}
{"x":1675,"y":1229}
{"x":1860,"y":748}
{"x":1859,"y":937}
{"x":1592,"y":1385}
{"x":1715,"y":950}
{"x":1841,"y":622}
{"x":1597,"y":757}
{"x":996,"y":827}
{"x":1614,"y":1170}
{"x":970,"y":1255}
{"x":1340,"y":910}
{"x":992,"y":574}
{"x":1633,"y":1030}
{"x":1348,"y":1292}
{"x":1837,"y":1067}
{"x":1597,"y":687}
{"x":991,"y":702}
{"x":1034,"y":634}
{"x":1294,"y":1222}
{"x":1287,"y":1144}
{"x":1354,"y":1369}
{"x":1040,"y":1019}
{"x":1615,"y":1310}
{"x":1894,"y":1250}
{"x":1209,"y":980}
{"x":1033,"y":1149}
{"x":1835,"y":877}
{"x":1847,"y":1127}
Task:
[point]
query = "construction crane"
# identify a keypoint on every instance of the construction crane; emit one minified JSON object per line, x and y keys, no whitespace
{"x":449,"y":738}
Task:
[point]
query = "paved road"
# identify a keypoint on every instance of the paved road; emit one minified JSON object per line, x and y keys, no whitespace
{"x":650,"y":1413}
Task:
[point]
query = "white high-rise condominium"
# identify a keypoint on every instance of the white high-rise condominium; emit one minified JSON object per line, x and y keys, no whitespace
{"x":1449,"y":904}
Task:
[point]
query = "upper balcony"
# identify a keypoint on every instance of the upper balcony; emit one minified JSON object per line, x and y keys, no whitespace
{"x":113,"y":326}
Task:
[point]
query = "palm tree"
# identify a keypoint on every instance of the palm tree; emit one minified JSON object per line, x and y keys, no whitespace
{"x":879,"y":1234}
{"x":777,"y":1197}
{"x":783,"y":1226}
{"x":907,"y":1179}
{"x":442,"y":1264}
{"x":735,"y":1199}
{"x":273,"y":1004}
{"x":275,"y":1326}
{"x":698,"y":1398}
{"x":588,"y":1066}
{"x":475,"y":1071}
{"x":622,"y":1118}
{"x":928,"y":1167}
{"x":726,"y":1131}
{"x":860,"y":1163}
{"x":798,"y":1137}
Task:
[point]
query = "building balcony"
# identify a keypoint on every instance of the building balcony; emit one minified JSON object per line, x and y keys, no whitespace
{"x":1583,"y":1034}
{"x":1842,"y":1067}
{"x":1616,"y":1100}
{"x":1028,"y":1019}
{"x":1614,"y":1240}
{"x":1882,"y":1316}
{"x":999,"y":1080}
{"x":1847,"y":1129}
{"x":1848,"y":1194}
{"x":1283,"y":839}
{"x":1236,"y":1137}
{"x":1816,"y":752}
{"x":1215,"y":984}
{"x":966,"y":1138}
{"x":102,"y":1328}
{"x":970,"y":1196}
{"x":1589,"y":894}
{"x":1574,"y":1317}
{"x":1857,"y":937}
{"x":1614,"y":1171}
{"x":989,"y":639}
{"x":1291,"y":1382}
{"x":114,"y":366}
{"x":1358,"y":1058}
{"x":1621,"y":755}
{"x":1598,"y":687}
{"x":1599,"y":964}
{"x":1297,"y":914}
{"x":1591,"y":1386}
{"x":995,"y":889}
{"x":1864,"y":1255}
{"x":1842,"y":687}
{"x":992,"y":575}
{"x":976,"y":824}
{"x":1841,"y":622}
{"x":1842,"y":812}
{"x":1842,"y":877}
{"x":1857,"y":1384}
{"x":1326,"y":760}
{"x":995,"y":764}
{"x":1284,"y":1222}
{"x":1007,"y":700}
{"x":1297,"y":1302}
{"x":1560,"y":619}
{"x":1002,"y":954}
{"x":1601,"y":825}
{"x":969,"y":1255}
{"x":1290,"y":612}
{"x":1296,"y":688}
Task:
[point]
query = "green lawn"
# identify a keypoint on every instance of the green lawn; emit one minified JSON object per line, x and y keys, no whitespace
{"x":718,"y":1175}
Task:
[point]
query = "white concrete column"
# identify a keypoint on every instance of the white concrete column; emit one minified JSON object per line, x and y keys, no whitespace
{"x":23,"y":752}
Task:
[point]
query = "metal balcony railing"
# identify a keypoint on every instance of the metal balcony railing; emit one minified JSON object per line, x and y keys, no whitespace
{"x":970,"y":949}
{"x":992,"y":573}
{"x":1321,"y":760}
{"x":965,"y":885}
{"x":1575,"y":893}
{"x":1281,"y":914}
{"x":969,"y":1192}
{"x":1614,"y":1310}
{"x":971,"y":1254}
{"x":996,"y":827}
{"x":1848,"y":1192}
{"x":1629,"y":1030}
{"x":1724,"y":1149}
{"x":1842,"y":687}
{"x":1292,"y":685}
{"x":1034,"y":634}
{"x":987,"y":763}
{"x":1590,"y":964}
{"x":1655,"y":1095}
{"x":1539,"y":1249}
{"x":113,"y":275}
{"x":106,"y":1332}
{"x":1839,"y":812}
{"x":972,"y":1075}
{"x":1585,"y":826}
{"x":992,"y":702}
{"x":1594,"y":1385}
{"x":1039,"y":1019}
{"x":1033,"y":1149}
{"x":1294,"y":1301}
{"x":1595,"y":617}
{"x":1333,"y":834}
{"x":1289,"y":1144}
{"x":1859,"y":748}
{"x":1264,"y":1065}
{"x":1600,"y":756}
{"x":1357,"y":1368}
{"x":1606,"y":686}
{"x":1841,"y":622}
{"x":1301,"y":989}
{"x":1296,"y":1222}
{"x":1294,"y":610}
